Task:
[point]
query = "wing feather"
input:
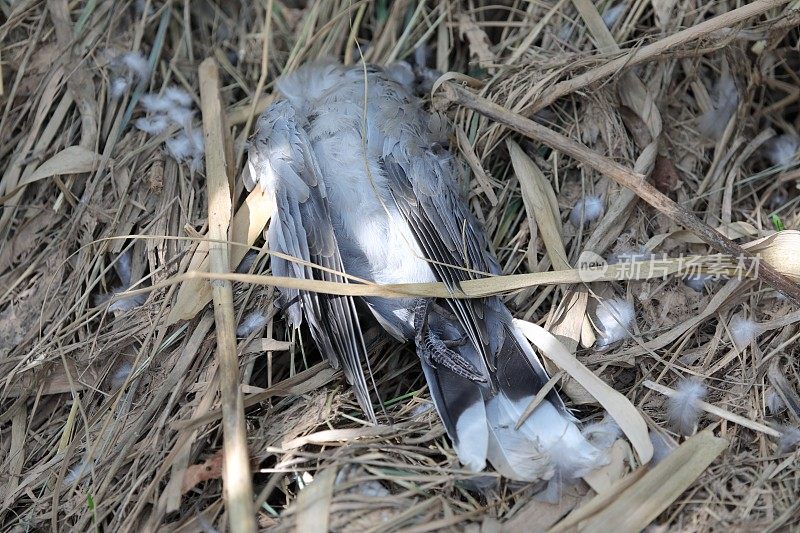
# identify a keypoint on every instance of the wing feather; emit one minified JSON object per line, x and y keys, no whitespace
{"x":282,"y":160}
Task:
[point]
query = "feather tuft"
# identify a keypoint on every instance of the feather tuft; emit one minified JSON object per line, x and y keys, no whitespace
{"x":789,"y":439}
{"x":154,"y":103}
{"x":120,"y":375}
{"x":76,"y":472}
{"x":136,"y":64}
{"x":713,"y":122}
{"x":118,"y":87}
{"x":253,"y":321}
{"x":613,"y":13}
{"x":178,"y":96}
{"x":774,"y":402}
{"x":615,"y":318}
{"x":683,"y":409}
{"x":179,"y":147}
{"x":602,"y":434}
{"x":743,"y":331}
{"x":152,"y":125}
{"x":181,"y":116}
{"x":781,"y":150}
{"x":586,"y":210}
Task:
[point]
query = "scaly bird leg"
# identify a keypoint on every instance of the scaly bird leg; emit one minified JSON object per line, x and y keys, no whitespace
{"x":435,"y":351}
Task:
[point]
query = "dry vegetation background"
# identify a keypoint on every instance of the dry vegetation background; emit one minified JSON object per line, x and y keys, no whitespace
{"x":109,"y":412}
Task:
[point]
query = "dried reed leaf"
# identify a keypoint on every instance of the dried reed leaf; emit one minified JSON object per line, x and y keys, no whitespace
{"x":540,"y":203}
{"x":70,"y":160}
{"x":312,"y":508}
{"x":639,"y":504}
{"x":247,"y":224}
{"x":781,"y":250}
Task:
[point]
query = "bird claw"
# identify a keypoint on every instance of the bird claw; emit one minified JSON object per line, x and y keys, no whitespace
{"x":437,"y":352}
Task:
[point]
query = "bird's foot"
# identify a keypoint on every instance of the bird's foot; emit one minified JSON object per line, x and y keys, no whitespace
{"x":437,"y":352}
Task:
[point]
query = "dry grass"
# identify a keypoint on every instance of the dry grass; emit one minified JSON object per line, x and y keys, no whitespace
{"x":110,"y":417}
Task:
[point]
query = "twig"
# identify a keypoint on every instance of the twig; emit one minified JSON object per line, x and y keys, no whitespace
{"x":624,"y":176}
{"x":238,"y":491}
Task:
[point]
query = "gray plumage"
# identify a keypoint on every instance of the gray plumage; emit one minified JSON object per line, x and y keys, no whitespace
{"x":377,"y":197}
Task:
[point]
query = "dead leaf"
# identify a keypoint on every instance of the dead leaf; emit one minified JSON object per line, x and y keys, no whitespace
{"x":636,"y":126}
{"x":478,"y":41}
{"x":70,"y":160}
{"x":314,"y":502}
{"x":197,"y":473}
{"x":636,"y":506}
{"x":665,"y":175}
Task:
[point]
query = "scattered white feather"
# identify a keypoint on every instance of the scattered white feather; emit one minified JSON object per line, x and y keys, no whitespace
{"x":683,"y":408}
{"x":125,"y":304}
{"x":613,"y":13}
{"x":774,"y":402}
{"x":123,"y":268}
{"x":789,"y":440}
{"x":178,"y":96}
{"x":155,"y":103}
{"x":198,"y":148}
{"x":661,"y":447}
{"x":251,"y":322}
{"x":136,"y":64}
{"x":120,"y":375}
{"x":743,"y":331}
{"x":615,"y":318}
{"x":180,"y":147}
{"x":118,"y":87}
{"x":602,"y":434}
{"x":181,"y":116}
{"x":586,"y":211}
{"x":782,"y":149}
{"x":713,"y":122}
{"x":778,"y":198}
{"x":698,"y":282}
{"x":421,"y":409}
{"x":76,"y":472}
{"x":155,"y":125}
{"x":372,"y":489}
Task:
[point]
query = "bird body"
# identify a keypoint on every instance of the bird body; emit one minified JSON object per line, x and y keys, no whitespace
{"x":364,"y":185}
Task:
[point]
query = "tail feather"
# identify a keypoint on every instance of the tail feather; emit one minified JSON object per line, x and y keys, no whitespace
{"x":460,"y":406}
{"x":515,"y":454}
{"x":481,"y":421}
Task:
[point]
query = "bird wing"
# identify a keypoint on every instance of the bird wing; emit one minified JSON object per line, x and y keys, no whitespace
{"x":282,"y":160}
{"x":448,"y":235}
{"x":421,"y":176}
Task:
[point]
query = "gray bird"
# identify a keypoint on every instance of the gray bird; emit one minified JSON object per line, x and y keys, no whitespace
{"x":364,"y":184}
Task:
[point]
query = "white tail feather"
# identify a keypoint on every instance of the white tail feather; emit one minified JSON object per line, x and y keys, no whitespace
{"x":472,"y":429}
{"x":515,"y":454}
